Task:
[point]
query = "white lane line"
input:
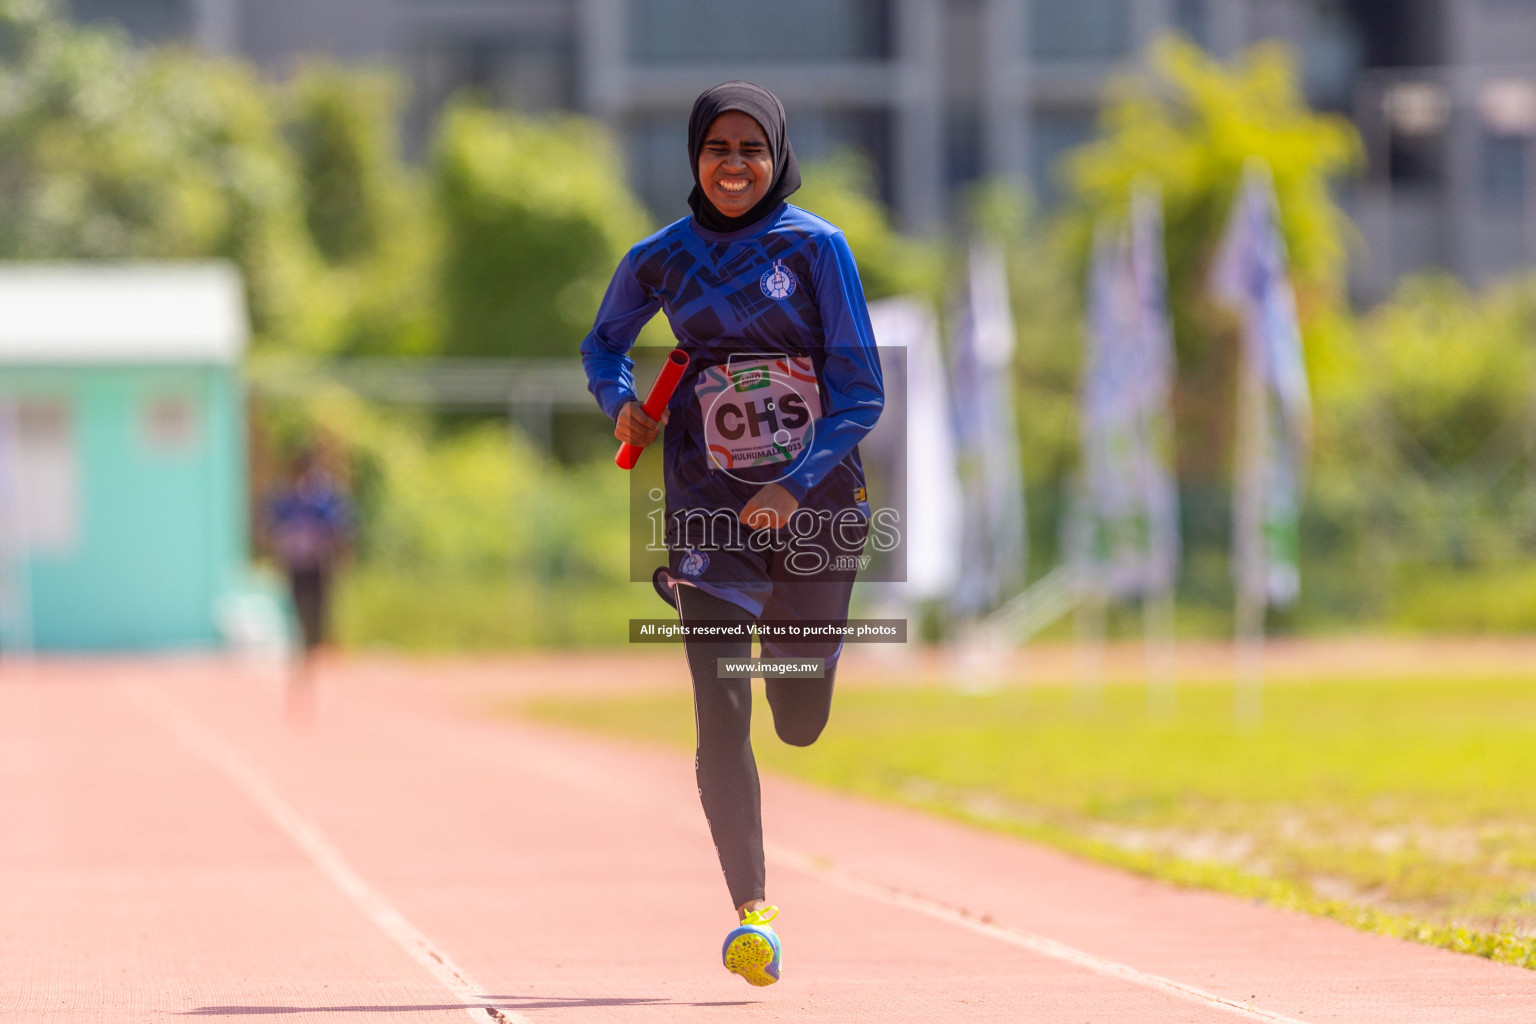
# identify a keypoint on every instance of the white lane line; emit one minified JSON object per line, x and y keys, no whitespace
{"x":221,"y":755}
{"x":557,"y":766}
{"x":804,"y":864}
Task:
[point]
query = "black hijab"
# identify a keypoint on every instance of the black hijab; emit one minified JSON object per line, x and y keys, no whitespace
{"x":764,"y":108}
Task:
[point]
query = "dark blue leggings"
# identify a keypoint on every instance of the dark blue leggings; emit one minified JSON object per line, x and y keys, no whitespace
{"x":723,"y":764}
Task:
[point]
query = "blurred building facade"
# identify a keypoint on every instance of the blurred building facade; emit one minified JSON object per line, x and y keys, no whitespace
{"x":1446,"y":104}
{"x":937,"y":93}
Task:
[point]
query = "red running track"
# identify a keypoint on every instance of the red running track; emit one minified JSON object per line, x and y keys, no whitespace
{"x":172,"y":848}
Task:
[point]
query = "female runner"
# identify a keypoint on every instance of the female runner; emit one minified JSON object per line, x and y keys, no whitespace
{"x":765,"y":500}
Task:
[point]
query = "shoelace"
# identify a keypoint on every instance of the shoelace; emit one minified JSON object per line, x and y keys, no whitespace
{"x":761,"y":916}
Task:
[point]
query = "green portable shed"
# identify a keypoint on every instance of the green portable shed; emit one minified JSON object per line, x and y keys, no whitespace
{"x":122,"y":454}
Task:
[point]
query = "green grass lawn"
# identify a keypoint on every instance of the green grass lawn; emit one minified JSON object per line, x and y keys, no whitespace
{"x":377,"y":608}
{"x":1407,"y":808}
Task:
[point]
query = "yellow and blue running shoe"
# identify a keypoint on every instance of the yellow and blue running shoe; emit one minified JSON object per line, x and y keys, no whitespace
{"x":752,"y":950}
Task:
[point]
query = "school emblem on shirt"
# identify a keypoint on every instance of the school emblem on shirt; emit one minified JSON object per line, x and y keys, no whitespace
{"x":779,"y":281}
{"x":693,"y":564}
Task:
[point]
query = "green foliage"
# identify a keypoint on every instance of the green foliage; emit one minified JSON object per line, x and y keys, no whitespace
{"x":382,"y":609}
{"x":109,"y":153}
{"x":1448,"y":598}
{"x":468,"y":538}
{"x":1454,"y":370}
{"x":368,"y":216}
{"x":535,"y":217}
{"x":1400,"y":807}
{"x":471,"y":500}
{"x":342,"y":130}
{"x":1193,"y":125}
{"x":840,"y":189}
{"x":115,"y":153}
{"x":1424,"y":477}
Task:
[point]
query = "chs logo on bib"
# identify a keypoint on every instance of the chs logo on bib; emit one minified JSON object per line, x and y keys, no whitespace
{"x":693,"y":564}
{"x":758,"y":412}
{"x":779,"y":281}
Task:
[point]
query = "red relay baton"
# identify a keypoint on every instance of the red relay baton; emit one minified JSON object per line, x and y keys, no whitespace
{"x":655,"y":402}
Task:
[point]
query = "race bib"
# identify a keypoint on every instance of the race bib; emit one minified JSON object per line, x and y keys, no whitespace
{"x":758,"y":411}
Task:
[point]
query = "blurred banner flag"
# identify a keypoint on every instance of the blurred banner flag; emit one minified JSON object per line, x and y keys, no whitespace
{"x":1274,"y":417}
{"x":927,"y":475}
{"x":1123,"y":535}
{"x":992,"y":531}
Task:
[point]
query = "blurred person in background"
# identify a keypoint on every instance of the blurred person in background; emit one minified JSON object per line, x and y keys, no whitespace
{"x":783,"y":382}
{"x":309,"y":525}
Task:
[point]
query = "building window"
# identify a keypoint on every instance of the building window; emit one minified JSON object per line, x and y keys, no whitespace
{"x":529,"y":72}
{"x":1415,"y":160}
{"x":1052,"y":134}
{"x":47,"y":475}
{"x":1080,"y":30}
{"x":1332,"y":54}
{"x":787,"y":31}
{"x":963,"y":143}
{"x":1193,"y":18}
{"x":864,"y":134}
{"x":147,"y":21}
{"x":169,"y":424}
{"x":1416,"y":114}
{"x":1504,"y":171}
{"x":658,"y":161}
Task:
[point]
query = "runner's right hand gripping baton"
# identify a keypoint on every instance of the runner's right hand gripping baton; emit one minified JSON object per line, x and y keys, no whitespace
{"x":655,"y":402}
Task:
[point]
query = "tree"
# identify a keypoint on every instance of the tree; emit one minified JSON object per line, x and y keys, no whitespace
{"x":535,"y":216}
{"x":841,"y":190}
{"x":106,"y":152}
{"x":341,"y":126}
{"x":367,"y":213}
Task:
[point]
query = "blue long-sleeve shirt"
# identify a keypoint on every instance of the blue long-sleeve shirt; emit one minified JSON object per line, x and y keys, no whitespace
{"x":787,"y":287}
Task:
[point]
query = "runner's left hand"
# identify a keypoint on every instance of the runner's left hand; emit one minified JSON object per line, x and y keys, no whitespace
{"x":769,"y":509}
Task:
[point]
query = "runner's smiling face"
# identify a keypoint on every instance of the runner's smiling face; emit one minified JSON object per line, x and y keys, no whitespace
{"x":735,"y":163}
